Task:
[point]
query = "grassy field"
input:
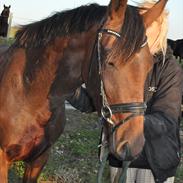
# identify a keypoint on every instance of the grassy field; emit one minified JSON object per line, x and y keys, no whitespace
{"x":74,"y":158}
{"x":13,"y":31}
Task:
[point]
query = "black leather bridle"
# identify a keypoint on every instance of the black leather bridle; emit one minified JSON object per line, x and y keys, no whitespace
{"x":135,"y":109}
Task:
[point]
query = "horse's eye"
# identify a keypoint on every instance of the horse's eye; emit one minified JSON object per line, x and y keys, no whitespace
{"x":111,"y":64}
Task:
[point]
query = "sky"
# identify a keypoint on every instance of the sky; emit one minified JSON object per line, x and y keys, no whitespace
{"x":27,"y":11}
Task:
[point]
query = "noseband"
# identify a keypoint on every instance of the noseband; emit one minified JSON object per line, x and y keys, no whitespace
{"x":135,"y":109}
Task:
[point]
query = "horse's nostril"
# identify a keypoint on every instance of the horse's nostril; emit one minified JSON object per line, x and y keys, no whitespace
{"x":123,"y":151}
{"x":121,"y":146}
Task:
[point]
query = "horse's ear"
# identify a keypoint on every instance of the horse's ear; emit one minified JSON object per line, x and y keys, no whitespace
{"x":153,"y":13}
{"x":9,"y":6}
{"x":116,"y":9}
{"x":4,"y":6}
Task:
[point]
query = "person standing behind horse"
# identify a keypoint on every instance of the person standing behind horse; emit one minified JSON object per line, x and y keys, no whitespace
{"x":164,"y":89}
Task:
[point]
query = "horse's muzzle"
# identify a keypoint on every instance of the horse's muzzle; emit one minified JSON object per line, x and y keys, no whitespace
{"x":126,"y":152}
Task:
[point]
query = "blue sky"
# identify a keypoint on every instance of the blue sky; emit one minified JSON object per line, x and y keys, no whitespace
{"x":26,"y":11}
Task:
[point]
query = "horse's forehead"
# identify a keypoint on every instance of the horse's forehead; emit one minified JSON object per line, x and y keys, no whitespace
{"x":6,"y":10}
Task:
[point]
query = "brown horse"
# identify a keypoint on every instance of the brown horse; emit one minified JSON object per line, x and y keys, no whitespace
{"x":47,"y":62}
{"x":125,"y":63}
{"x":4,"y":21}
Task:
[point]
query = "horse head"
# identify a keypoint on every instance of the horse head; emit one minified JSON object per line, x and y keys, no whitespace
{"x":124,"y":64}
{"x":6,"y":11}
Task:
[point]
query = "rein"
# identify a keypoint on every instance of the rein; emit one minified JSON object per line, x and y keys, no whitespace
{"x":135,"y":109}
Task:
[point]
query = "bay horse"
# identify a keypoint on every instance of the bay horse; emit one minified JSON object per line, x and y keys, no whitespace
{"x":47,"y":62}
{"x":4,"y":21}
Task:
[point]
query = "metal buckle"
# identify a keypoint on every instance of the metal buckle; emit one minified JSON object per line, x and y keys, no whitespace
{"x":107,"y":114}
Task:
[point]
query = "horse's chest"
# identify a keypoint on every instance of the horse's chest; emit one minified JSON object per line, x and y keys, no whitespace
{"x":23,"y":142}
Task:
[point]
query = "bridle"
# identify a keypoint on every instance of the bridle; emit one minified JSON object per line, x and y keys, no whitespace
{"x":136,"y":108}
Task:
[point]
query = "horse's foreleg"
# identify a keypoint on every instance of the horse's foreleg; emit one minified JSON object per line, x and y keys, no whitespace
{"x":57,"y":121}
{"x":3,"y":168}
{"x":33,"y":168}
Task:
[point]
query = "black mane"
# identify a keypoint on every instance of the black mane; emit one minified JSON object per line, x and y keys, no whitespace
{"x":79,"y":20}
{"x":60,"y":24}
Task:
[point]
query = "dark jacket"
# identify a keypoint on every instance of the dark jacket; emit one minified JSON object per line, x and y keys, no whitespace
{"x":162,"y":120}
{"x":161,"y":152}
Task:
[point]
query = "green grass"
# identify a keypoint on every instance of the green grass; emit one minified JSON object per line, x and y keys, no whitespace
{"x":5,"y":41}
{"x":179,"y":176}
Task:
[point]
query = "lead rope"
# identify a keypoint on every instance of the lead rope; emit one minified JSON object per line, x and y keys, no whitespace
{"x":103,"y":161}
{"x":102,"y":164}
{"x":125,"y":166}
{"x":123,"y":176}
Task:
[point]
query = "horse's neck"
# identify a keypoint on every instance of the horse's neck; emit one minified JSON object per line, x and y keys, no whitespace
{"x":44,"y":73}
{"x":4,"y":19}
{"x":12,"y":67}
{"x":15,"y":71}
